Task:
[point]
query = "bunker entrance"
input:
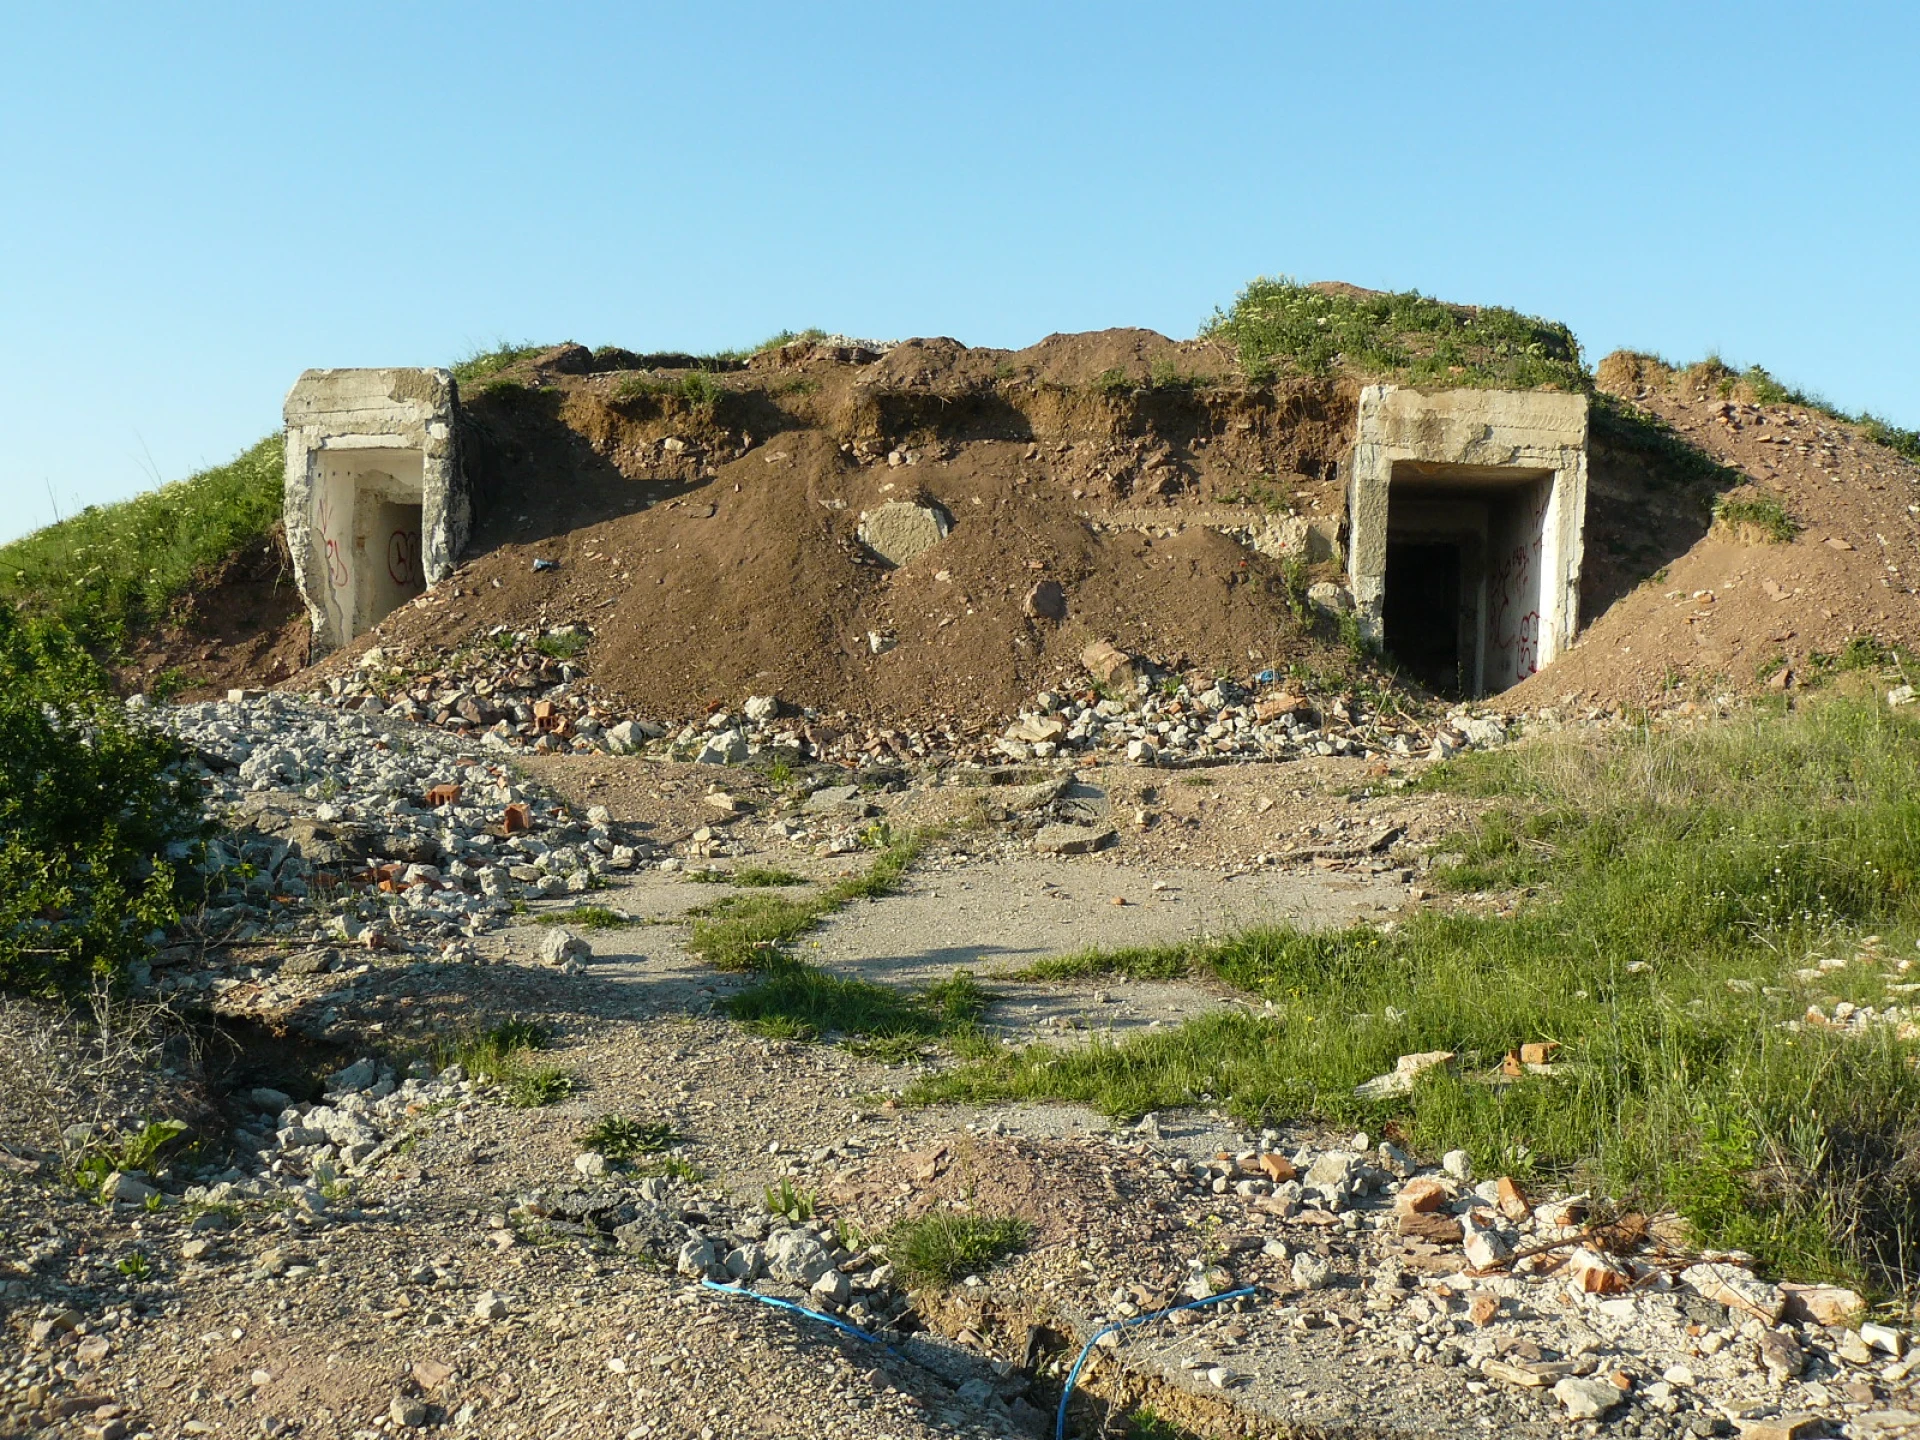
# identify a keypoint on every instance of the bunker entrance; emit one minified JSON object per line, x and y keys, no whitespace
{"x":1464,"y":567}
{"x":1423,"y":611}
{"x":369,"y":517}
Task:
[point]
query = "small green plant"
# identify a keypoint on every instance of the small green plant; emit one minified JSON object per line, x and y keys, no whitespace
{"x":545,"y":1085}
{"x":619,"y":1137}
{"x":1111,"y":383}
{"x":568,"y":646}
{"x":792,"y":1205}
{"x":588,"y":917}
{"x":780,"y":773}
{"x":136,"y":1152}
{"x":169,"y":683}
{"x":134,"y":1265}
{"x":671,"y":1167}
{"x":1762,"y":515}
{"x":940,"y":1248}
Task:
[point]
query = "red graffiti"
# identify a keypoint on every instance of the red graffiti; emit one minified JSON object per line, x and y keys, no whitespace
{"x":337,"y":575}
{"x":403,"y":553}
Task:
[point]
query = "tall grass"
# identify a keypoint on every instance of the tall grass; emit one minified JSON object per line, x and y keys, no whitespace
{"x":1685,"y":879}
{"x":113,"y":568}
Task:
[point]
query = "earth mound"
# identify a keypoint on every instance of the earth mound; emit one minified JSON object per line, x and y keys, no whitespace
{"x":705,"y":526}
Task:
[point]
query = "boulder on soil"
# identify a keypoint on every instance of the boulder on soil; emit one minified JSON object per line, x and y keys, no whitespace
{"x":1109,"y":664}
{"x":560,"y":946}
{"x":900,"y":531}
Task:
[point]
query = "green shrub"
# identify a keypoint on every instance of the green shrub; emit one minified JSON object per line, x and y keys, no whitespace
{"x":97,"y":826}
{"x":619,"y":1137}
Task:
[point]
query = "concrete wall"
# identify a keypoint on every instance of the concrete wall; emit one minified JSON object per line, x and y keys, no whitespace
{"x":1524,"y":455}
{"x":376,"y":506}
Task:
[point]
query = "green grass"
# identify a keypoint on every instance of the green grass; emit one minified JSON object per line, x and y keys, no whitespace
{"x":695,"y":393}
{"x":1762,"y":514}
{"x":111,"y":569}
{"x":622,"y":1138}
{"x":539,"y":1086}
{"x":1768,"y":391}
{"x":482,"y":364}
{"x":1683,"y":879}
{"x":563,"y":647}
{"x":498,"y":1056}
{"x":798,"y":1001}
{"x":938,"y":1249}
{"x":589,"y":917}
{"x":751,"y":932}
{"x":1280,"y":327}
{"x":752,"y":877}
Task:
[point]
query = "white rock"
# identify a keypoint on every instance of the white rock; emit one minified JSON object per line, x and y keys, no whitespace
{"x":1458,"y":1164}
{"x":490,"y":1306}
{"x":1586,"y":1399}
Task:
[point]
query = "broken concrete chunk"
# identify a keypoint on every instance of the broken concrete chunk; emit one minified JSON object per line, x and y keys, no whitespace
{"x":900,"y":531}
{"x":1109,"y":665}
{"x":1071,"y":840}
{"x":1737,"y":1289}
{"x":1585,"y":1398}
{"x":1400,"y":1079}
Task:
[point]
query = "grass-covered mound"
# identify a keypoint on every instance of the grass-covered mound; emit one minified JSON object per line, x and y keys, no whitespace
{"x":1281,"y":327}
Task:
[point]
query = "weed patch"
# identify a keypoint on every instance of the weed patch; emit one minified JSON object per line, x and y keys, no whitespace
{"x":1281,"y":327}
{"x":1760,"y":515}
{"x":622,"y":1138}
{"x":939,"y":1249}
{"x":589,"y":917}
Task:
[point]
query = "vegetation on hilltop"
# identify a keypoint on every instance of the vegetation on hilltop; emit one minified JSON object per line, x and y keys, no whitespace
{"x":1281,"y":327}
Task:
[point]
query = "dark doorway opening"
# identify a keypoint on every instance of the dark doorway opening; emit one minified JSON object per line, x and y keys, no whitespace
{"x":1421,"y":612}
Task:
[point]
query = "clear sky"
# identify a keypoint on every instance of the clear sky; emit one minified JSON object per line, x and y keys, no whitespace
{"x":197,"y":202}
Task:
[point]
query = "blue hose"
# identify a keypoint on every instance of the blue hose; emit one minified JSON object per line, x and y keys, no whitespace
{"x":779,"y":1304}
{"x":1060,"y":1421}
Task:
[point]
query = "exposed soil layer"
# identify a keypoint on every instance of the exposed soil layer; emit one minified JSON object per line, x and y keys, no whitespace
{"x":243,"y":625}
{"x":1729,"y":608}
{"x":705,"y":526}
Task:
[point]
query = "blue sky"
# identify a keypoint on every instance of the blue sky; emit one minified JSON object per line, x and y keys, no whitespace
{"x":199,"y":202}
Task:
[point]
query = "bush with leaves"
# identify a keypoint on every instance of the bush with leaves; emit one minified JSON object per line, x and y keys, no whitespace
{"x":97,"y":825}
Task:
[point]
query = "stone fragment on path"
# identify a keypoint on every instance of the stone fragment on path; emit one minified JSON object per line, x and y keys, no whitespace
{"x":900,"y":531}
{"x":1586,"y":1398}
{"x":1071,"y":840}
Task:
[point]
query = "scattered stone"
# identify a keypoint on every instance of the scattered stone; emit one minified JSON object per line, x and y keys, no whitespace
{"x":1585,"y":1398}
{"x":1071,"y":840}
{"x":490,"y":1306}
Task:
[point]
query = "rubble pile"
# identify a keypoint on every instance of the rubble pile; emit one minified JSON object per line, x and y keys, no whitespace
{"x":510,"y":694}
{"x":343,"y":829}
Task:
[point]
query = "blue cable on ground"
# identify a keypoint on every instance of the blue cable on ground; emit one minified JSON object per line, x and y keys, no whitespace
{"x":1060,"y":1421}
{"x":779,"y":1304}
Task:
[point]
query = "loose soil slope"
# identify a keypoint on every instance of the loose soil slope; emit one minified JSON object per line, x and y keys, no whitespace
{"x":705,"y":524}
{"x":1733,"y":608}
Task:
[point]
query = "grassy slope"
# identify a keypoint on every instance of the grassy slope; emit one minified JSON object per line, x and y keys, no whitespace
{"x":111,"y":569}
{"x":1684,"y":880}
